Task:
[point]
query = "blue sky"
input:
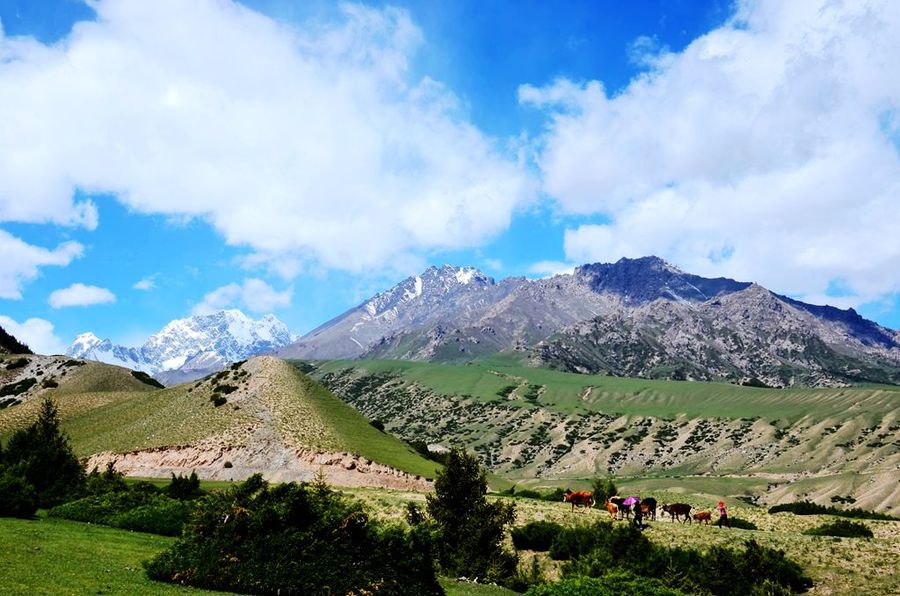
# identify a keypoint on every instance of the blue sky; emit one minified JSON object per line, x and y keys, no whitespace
{"x":168,"y":158}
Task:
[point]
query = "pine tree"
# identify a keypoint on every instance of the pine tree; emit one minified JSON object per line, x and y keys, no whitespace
{"x":41,"y":454}
{"x":471,"y":529}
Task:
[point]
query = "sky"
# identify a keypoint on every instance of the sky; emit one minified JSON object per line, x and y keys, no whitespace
{"x":171,"y":158}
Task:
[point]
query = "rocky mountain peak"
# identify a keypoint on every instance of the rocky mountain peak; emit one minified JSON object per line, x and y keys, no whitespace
{"x":646,"y":279}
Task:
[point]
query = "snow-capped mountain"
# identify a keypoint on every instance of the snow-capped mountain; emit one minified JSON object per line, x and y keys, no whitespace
{"x":635,"y":317}
{"x":196,"y":344}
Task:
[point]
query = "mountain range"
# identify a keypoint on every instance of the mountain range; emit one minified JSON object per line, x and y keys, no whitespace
{"x":636,"y":317}
{"x":190,"y":348}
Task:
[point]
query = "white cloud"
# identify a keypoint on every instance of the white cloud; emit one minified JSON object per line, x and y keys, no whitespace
{"x":255,"y":295}
{"x":551,"y":268}
{"x":313,"y":145}
{"x":80,"y":295}
{"x":146,"y":284}
{"x":765,"y":151}
{"x":19,"y":261}
{"x":37,"y":334}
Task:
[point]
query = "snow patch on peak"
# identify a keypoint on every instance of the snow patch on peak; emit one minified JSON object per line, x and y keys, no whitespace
{"x":465,"y":275}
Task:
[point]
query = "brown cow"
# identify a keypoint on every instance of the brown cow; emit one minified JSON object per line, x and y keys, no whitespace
{"x":676,"y":510}
{"x":703,"y":517}
{"x":611,"y":509}
{"x":581,"y":498}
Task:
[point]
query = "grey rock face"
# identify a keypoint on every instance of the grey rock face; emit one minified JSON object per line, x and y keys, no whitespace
{"x":635,"y":317}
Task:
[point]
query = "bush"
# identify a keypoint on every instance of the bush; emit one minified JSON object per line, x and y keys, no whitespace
{"x":139,"y":510}
{"x":147,"y":379}
{"x":41,"y":454}
{"x":594,"y":551}
{"x":810,"y":508}
{"x":842,"y":528}
{"x":537,"y":535}
{"x":17,"y":497}
{"x":184,"y":487}
{"x":19,"y":387}
{"x":604,"y":488}
{"x":613,"y":584}
{"x":17,"y":363}
{"x":297,"y":539}
{"x":108,"y":481}
{"x":218,"y":400}
{"x":470,"y":529}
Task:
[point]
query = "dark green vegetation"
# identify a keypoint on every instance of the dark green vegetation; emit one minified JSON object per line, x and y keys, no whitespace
{"x":298,"y":539}
{"x":147,"y":379}
{"x":809,"y":508}
{"x":142,"y":506}
{"x":741,"y":524}
{"x":469,"y":529}
{"x":617,"y":583}
{"x":11,"y":345}
{"x":842,"y":528}
{"x":536,"y":536}
{"x":38,"y":461}
{"x":597,"y":549}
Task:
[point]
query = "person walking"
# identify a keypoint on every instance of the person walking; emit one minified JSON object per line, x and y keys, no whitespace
{"x":723,"y":515}
{"x":638,"y":520}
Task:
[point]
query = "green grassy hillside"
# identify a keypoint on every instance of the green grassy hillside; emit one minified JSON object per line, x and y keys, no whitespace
{"x":550,"y":428}
{"x":265,"y":405}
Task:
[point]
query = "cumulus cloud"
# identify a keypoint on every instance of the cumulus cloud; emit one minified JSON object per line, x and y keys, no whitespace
{"x":146,"y":284}
{"x":311,"y":144}
{"x":37,"y":334}
{"x":254,"y":294}
{"x":80,"y":295}
{"x":551,"y":268}
{"x":20,"y":261}
{"x":766,"y":150}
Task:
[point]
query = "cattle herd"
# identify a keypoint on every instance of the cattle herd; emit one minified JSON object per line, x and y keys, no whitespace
{"x":625,"y":507}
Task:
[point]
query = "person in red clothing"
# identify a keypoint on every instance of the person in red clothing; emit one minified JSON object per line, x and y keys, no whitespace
{"x":723,"y":515}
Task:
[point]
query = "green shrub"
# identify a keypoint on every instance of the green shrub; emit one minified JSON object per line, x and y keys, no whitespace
{"x":842,"y":528}
{"x":507,"y":391}
{"x":49,"y":384}
{"x":538,"y":535}
{"x":810,"y":508}
{"x":297,"y":539}
{"x":147,"y":379}
{"x":226,"y":389}
{"x":604,"y":488}
{"x":184,"y":487}
{"x":470,"y":529}
{"x":218,"y":400}
{"x":17,"y":363}
{"x":139,"y":510}
{"x":617,"y":583}
{"x":19,"y":387}
{"x":594,"y":551}
{"x":108,"y":481}
{"x":17,"y":497}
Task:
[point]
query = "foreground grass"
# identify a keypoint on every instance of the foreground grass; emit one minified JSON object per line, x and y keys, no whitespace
{"x":54,"y":556}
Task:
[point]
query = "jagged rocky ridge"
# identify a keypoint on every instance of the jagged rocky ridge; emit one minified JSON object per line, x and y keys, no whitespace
{"x":192,"y":347}
{"x":636,"y":317}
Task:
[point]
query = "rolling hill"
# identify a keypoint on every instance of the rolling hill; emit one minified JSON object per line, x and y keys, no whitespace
{"x":546,"y":427}
{"x":270,"y":419}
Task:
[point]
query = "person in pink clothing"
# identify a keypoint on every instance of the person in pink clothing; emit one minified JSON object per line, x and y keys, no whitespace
{"x":723,"y":515}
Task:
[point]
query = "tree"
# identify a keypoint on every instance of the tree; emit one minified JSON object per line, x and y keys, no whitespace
{"x":470,"y":529}
{"x":42,"y":456}
{"x":604,"y":488}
